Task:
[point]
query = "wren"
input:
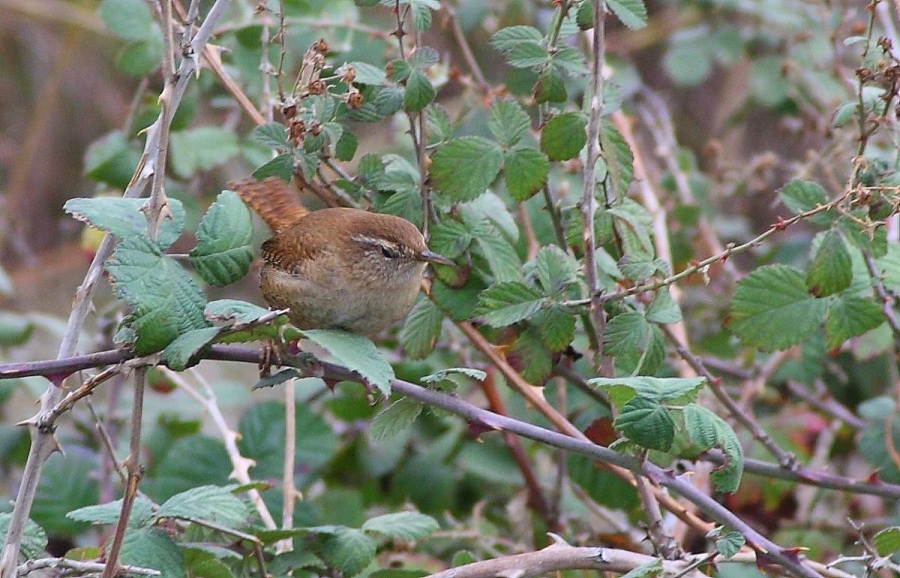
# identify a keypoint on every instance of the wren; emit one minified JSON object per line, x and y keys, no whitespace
{"x":336,"y":268}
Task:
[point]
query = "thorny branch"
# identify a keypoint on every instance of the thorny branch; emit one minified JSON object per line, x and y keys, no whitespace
{"x":43,"y":442}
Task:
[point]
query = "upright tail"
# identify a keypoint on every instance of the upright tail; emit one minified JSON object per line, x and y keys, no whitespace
{"x":273,"y":200}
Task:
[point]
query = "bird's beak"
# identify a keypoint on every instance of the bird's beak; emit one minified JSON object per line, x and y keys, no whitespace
{"x":433,"y":257}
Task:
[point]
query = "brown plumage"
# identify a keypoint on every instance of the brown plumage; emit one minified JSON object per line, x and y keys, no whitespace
{"x":336,"y":268}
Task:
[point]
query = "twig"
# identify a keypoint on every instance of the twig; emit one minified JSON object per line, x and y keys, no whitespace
{"x":535,"y":397}
{"x":289,"y":492}
{"x":81,"y":567}
{"x":536,"y":498}
{"x":43,"y":442}
{"x":558,"y":557}
{"x":703,"y":265}
{"x":246,"y":355}
{"x":786,"y":459}
{"x":460,"y":37}
{"x":887,"y":302}
{"x":135,"y":473}
{"x":240,"y":464}
{"x":588,"y":203}
{"x":663,"y":543}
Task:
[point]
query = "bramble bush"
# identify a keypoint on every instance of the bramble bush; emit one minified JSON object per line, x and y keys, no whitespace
{"x":668,"y":346}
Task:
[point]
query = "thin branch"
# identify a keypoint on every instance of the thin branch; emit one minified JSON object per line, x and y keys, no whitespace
{"x":460,"y":37}
{"x":246,"y":355}
{"x":536,"y":498}
{"x":588,"y":203}
{"x":43,"y":441}
{"x":240,"y":465}
{"x":289,"y":492}
{"x":80,"y":567}
{"x":662,"y":542}
{"x":135,"y":473}
{"x":786,"y":459}
{"x":560,"y":556}
{"x":703,"y":266}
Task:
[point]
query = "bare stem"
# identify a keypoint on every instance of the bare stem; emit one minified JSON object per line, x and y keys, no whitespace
{"x":290,"y":445}
{"x":135,"y":473}
{"x":588,"y":204}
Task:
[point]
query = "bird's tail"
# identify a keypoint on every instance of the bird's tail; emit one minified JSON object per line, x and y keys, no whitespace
{"x":272,"y":199}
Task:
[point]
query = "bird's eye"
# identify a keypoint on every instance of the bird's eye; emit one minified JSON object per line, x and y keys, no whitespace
{"x":389,"y":252}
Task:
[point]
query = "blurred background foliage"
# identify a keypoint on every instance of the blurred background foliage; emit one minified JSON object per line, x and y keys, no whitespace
{"x":730,"y":100}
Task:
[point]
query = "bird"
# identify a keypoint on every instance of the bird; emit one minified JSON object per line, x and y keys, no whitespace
{"x":336,"y":268}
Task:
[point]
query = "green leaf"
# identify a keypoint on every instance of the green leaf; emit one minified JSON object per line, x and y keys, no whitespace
{"x":108,"y":513}
{"x":348,"y":551}
{"x":356,"y":353}
{"x":618,"y":156}
{"x":654,"y":567}
{"x":887,"y":541}
{"x":708,"y":431}
{"x":152,"y":548}
{"x":831,"y":268}
{"x":603,"y":486}
{"x":527,"y":55}
{"x":688,"y":59}
{"x":211,"y":503}
{"x":463,"y":168}
{"x":419,"y":92}
{"x":142,"y":57}
{"x":201,"y":149}
{"x":663,"y":309}
{"x":424,"y":57}
{"x":499,"y":253}
{"x":632,"y":13}
{"x":15,"y":329}
{"x":405,"y":526}
{"x":262,"y":430}
{"x":128,"y":19}
{"x":281,"y":166}
{"x":231,"y":311}
{"x":189,"y":462}
{"x":182,"y":353}
{"x":563,"y":137}
{"x":646,"y":423}
{"x":525,"y":172}
{"x":772,"y":310}
{"x":345,"y":147}
{"x":459,"y":303}
{"x":224,"y":251}
{"x":421,"y":329}
{"x":394,"y":419}
{"x":272,"y":135}
{"x":569,"y":60}
{"x":888,"y":267}
{"x":367,"y":73}
{"x":672,"y":390}
{"x":123,"y":217}
{"x":849,"y":317}
{"x":506,"y":39}
{"x":728,"y":543}
{"x":507,"y":303}
{"x":584,"y":16}
{"x":555,"y":269}
{"x":66,"y":484}
{"x":166,"y":301}
{"x":34,"y":539}
{"x":557,"y":326}
{"x":507,"y":122}
{"x":550,"y":88}
{"x":529,"y":354}
{"x":801,"y":196}
{"x":636,"y":344}
{"x":447,"y":374}
{"x":112,"y":159}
